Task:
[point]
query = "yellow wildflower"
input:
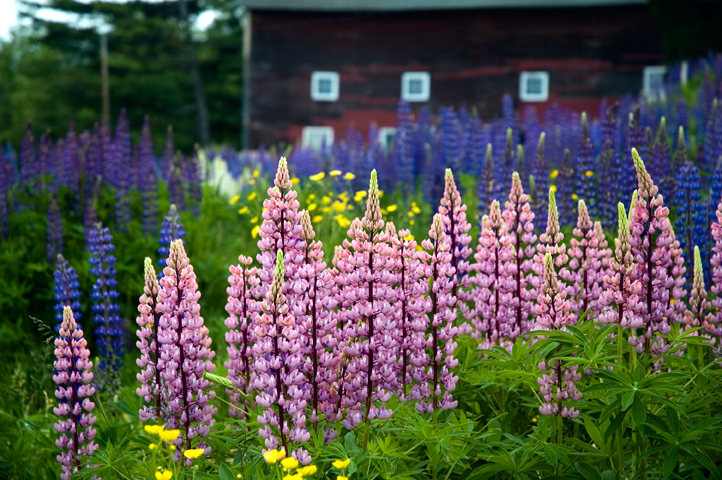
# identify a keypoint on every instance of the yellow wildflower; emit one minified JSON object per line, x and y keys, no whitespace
{"x":311,"y":197}
{"x":154,"y":429}
{"x":193,"y":453}
{"x":341,"y":464}
{"x":575,"y":196}
{"x":349,"y":176}
{"x":289,"y":463}
{"x":554,"y":187}
{"x":415,"y":209}
{"x":410,"y":214}
{"x":339,"y":206}
{"x":335,"y":173}
{"x":409,"y":238}
{"x":252,"y":181}
{"x":418,"y":248}
{"x":165,"y":475}
{"x":326,"y":199}
{"x":317,"y":177}
{"x":294,"y":181}
{"x":243,"y":210}
{"x":254,"y":232}
{"x":349,"y":207}
{"x":234,"y":199}
{"x":326,"y":209}
{"x":169,"y":435}
{"x":306,"y":471}
{"x":343,"y":196}
{"x":295,"y":476}
{"x":172,"y":448}
{"x":381,"y":193}
{"x":360,"y":194}
{"x":341,"y":477}
{"x":252,"y":196}
{"x":274,"y":455}
{"x":254,"y":219}
{"x":256,"y":173}
{"x":589,"y":173}
{"x":152,"y":446}
{"x":317,"y":218}
{"x":391,"y":208}
{"x":312,"y":207}
{"x":342,"y":221}
{"x":411,"y":222}
{"x":554,"y":174}
{"x":384,"y":211}
{"x":239,"y":476}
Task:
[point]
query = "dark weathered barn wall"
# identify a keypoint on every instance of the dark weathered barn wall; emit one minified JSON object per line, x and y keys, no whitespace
{"x":474,"y":56}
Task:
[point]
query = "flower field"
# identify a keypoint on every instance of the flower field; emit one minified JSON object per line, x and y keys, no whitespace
{"x":517,"y":299}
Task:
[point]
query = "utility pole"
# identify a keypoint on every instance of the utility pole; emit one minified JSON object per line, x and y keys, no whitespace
{"x":104,"y":76}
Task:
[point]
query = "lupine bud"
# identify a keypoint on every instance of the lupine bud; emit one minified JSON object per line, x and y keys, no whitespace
{"x":185,"y":354}
{"x":699,"y":307}
{"x":73,"y":376}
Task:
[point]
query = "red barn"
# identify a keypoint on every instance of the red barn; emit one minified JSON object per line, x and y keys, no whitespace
{"x":316,"y":67}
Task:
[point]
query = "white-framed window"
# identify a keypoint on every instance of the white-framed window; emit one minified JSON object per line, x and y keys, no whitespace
{"x":653,"y":79}
{"x":416,"y":86}
{"x":534,"y":86}
{"x":386,"y":136}
{"x":317,"y":137}
{"x":324,"y":86}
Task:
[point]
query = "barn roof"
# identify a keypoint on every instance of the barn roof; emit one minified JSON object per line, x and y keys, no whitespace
{"x":398,"y":5}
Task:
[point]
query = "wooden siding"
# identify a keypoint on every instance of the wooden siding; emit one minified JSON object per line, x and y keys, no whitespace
{"x":474,"y":57}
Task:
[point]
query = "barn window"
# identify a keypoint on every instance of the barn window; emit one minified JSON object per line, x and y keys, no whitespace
{"x":534,"y":86}
{"x":416,"y":86}
{"x":386,"y":136}
{"x":653,"y":79}
{"x":324,"y":86}
{"x":317,"y":137}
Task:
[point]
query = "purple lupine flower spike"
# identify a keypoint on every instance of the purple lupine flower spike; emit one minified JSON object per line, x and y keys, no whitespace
{"x":148,"y":330}
{"x":440,"y":379}
{"x":54,"y":230}
{"x":67,"y":290}
{"x":585,"y":273}
{"x":652,"y":241}
{"x":553,"y":309}
{"x":185,"y":353}
{"x":170,"y":230}
{"x":281,"y":231}
{"x":619,"y":301}
{"x":698,"y":314}
{"x":73,"y":376}
{"x":277,"y":361}
{"x":716,"y":265}
{"x":410,"y":290}
{"x":147,"y":179}
{"x":168,"y":159}
{"x":456,"y":227}
{"x":518,"y":258}
{"x":242,"y":309}
{"x":492,"y":313}
{"x":109,"y":330}
{"x":314,"y":314}
{"x":369,"y":323}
